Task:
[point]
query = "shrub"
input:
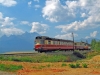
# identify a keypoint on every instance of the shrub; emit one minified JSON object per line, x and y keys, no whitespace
{"x":84,"y":65}
{"x":77,"y":65}
{"x":72,"y":65}
{"x":63,"y":64}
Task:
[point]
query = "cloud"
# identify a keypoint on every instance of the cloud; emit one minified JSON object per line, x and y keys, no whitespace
{"x":37,"y":6}
{"x":1,"y":16}
{"x":8,"y":3}
{"x":54,"y":11}
{"x":90,"y":22}
{"x":83,"y":15}
{"x":88,"y":9}
{"x":36,"y":0}
{"x":66,"y":36}
{"x":7,"y":26}
{"x":39,"y":28}
{"x":92,"y":35}
{"x":11,"y":31}
{"x":25,"y":22}
{"x":29,"y":3}
{"x":5,"y":21}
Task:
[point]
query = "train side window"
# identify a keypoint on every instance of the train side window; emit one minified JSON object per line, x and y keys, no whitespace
{"x":66,"y":43}
{"x":53,"y":42}
{"x":49,"y":42}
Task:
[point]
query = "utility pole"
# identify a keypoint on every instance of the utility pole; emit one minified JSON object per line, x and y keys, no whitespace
{"x":73,"y":40}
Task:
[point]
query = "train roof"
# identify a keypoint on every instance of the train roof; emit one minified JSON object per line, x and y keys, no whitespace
{"x":48,"y":38}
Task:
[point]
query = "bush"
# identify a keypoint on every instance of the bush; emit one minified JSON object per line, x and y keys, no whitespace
{"x":74,"y":65}
{"x":63,"y":64}
{"x":77,"y":65}
{"x":84,"y":65}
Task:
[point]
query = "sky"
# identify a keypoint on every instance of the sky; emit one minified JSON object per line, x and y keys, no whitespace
{"x":53,"y":18}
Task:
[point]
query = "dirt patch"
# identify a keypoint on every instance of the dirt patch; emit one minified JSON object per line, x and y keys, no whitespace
{"x":95,"y":58}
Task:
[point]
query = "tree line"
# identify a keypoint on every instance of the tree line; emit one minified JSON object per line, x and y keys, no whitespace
{"x":95,"y":45}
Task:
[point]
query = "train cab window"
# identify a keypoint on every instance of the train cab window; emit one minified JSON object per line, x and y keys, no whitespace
{"x":39,"y":41}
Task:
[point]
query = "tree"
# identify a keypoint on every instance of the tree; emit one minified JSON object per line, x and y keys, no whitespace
{"x":93,"y":43}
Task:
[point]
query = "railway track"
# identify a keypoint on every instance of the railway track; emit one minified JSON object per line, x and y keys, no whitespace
{"x":19,"y":54}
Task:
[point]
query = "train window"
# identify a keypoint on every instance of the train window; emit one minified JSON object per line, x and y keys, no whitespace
{"x":66,"y":43}
{"x":39,"y":41}
{"x":53,"y":42}
{"x":49,"y":42}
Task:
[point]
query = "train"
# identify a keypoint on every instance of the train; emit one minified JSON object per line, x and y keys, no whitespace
{"x":47,"y":44}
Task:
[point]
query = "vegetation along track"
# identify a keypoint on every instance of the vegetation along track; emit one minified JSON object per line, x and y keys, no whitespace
{"x":48,"y":53}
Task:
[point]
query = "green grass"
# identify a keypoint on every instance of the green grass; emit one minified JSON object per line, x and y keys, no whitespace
{"x":35,"y":58}
{"x":11,"y":68}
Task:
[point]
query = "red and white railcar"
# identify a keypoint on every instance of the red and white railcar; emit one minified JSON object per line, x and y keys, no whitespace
{"x":44,"y":44}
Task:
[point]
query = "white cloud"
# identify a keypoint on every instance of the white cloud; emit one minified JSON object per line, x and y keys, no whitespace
{"x":25,"y":22}
{"x":83,"y":15}
{"x":39,"y":28}
{"x":88,"y":9}
{"x":87,"y":37}
{"x":36,"y":0}
{"x":90,"y":22}
{"x":66,"y":36}
{"x":29,"y":3}
{"x":5,"y":21}
{"x":8,"y":3}
{"x":11,"y":31}
{"x":1,"y":15}
{"x":37,"y":6}
{"x":7,"y":26}
{"x":54,"y":11}
{"x":92,"y":35}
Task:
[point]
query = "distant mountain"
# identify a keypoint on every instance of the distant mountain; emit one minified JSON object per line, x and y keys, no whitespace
{"x":15,"y":43}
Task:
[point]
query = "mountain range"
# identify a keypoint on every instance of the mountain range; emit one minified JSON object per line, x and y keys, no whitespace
{"x":16,"y":43}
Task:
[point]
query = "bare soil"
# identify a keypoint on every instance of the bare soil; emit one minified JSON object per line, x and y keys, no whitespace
{"x":57,"y":68}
